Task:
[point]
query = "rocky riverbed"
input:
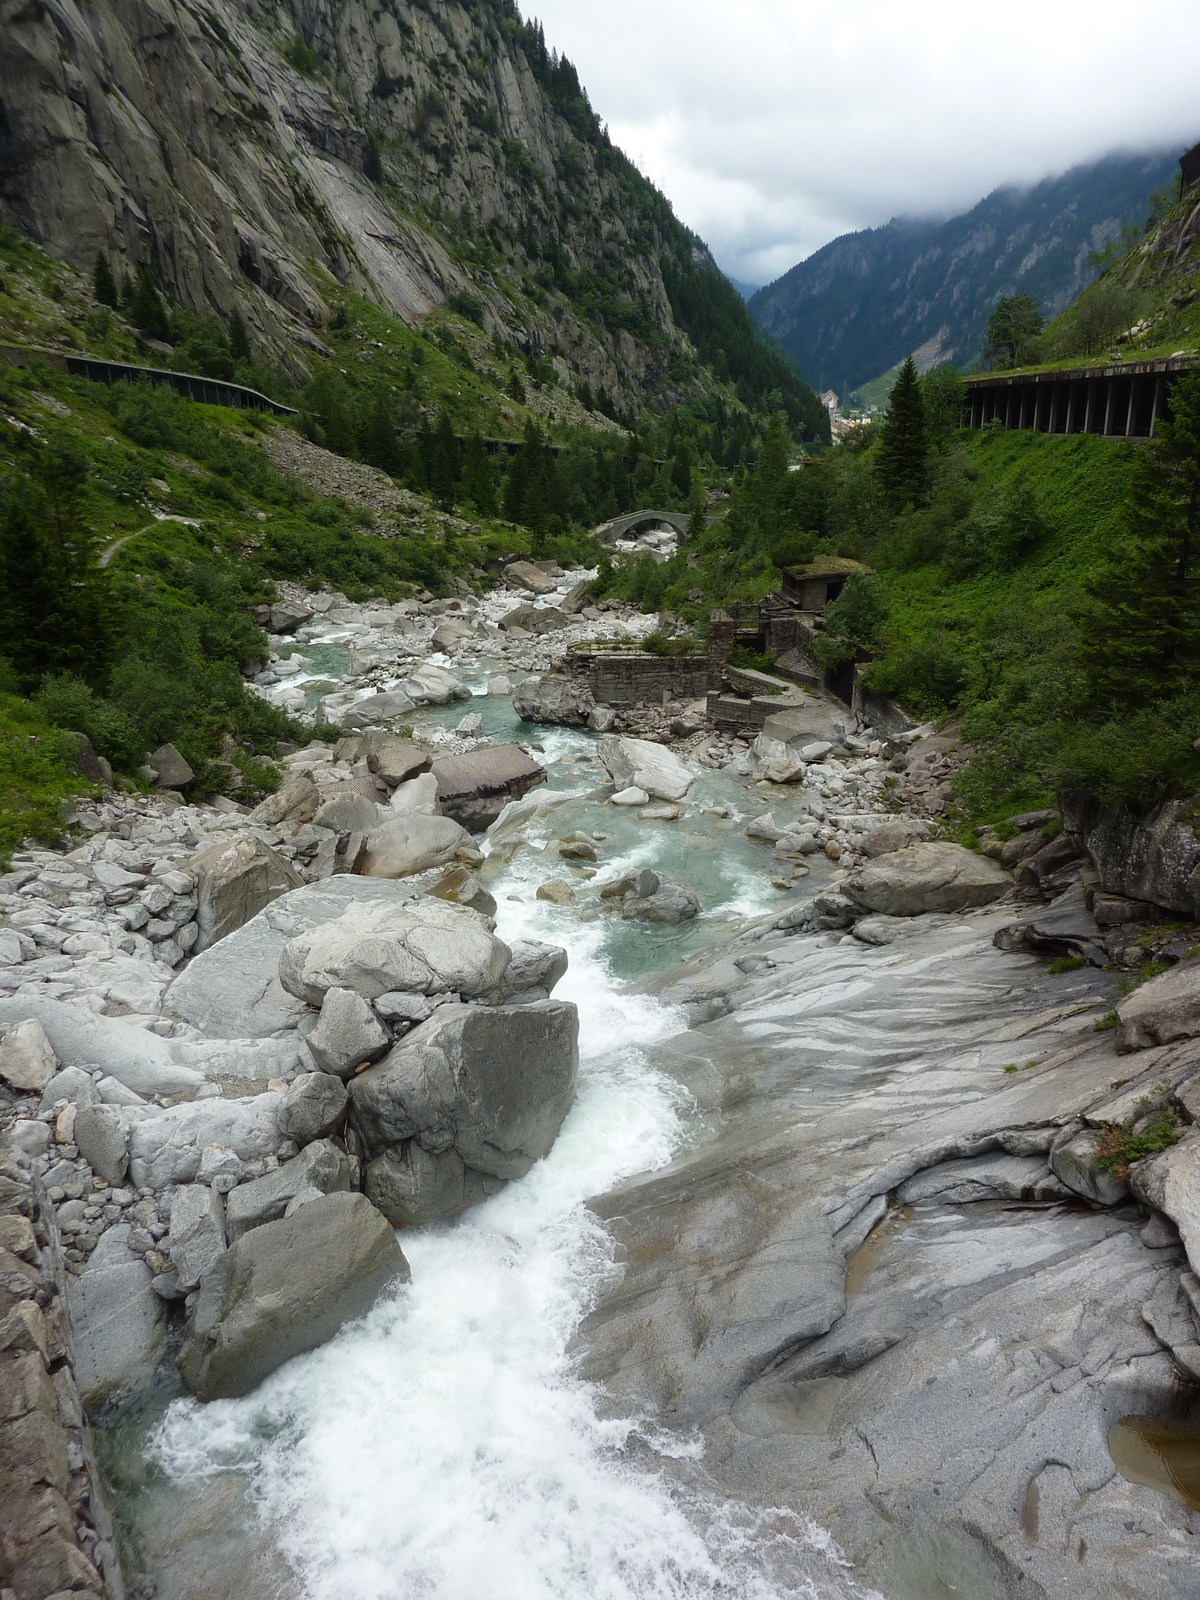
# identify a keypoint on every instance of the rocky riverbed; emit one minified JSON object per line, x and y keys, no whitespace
{"x":851,"y":1252}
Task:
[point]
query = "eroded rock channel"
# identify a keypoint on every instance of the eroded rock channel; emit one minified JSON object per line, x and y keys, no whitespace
{"x":684,"y":1175}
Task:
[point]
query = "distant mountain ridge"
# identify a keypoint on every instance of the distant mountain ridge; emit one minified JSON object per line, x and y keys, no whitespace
{"x":860,"y":304}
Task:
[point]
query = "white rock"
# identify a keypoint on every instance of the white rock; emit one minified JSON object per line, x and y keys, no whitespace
{"x":435,"y":686}
{"x":27,"y":1058}
{"x":631,"y":797}
{"x":640,"y":764}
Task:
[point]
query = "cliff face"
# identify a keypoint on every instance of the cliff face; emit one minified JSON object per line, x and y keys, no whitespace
{"x":177,"y":134}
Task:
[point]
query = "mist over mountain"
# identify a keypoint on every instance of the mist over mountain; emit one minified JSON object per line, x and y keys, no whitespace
{"x":854,"y":308}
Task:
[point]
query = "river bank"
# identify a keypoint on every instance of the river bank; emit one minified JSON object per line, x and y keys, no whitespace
{"x":810,"y":1294}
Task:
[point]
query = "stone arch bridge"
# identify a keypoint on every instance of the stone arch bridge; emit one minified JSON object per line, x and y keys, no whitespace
{"x":641,"y":522}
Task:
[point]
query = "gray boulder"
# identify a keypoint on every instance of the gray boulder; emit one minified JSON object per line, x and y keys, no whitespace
{"x":925,"y":877}
{"x":1166,"y":1008}
{"x":562,"y":702}
{"x":349,"y":709}
{"x":896,"y":834}
{"x":312,"y":1106}
{"x":1074,"y":1163}
{"x":296,"y":799}
{"x":533,"y":619}
{"x":288,"y":615}
{"x":234,"y":882}
{"x":141,"y":1061}
{"x":27,"y":1059}
{"x":232,"y":991}
{"x":393,"y":759}
{"x":170,"y":769}
{"x":410,"y":843}
{"x":102,"y":1135}
{"x":646,"y":895}
{"x":524,"y":575}
{"x":413,"y":1186}
{"x":1170,"y":1183}
{"x":321,"y":1168}
{"x":168,"y":1148}
{"x":532,"y":973}
{"x":197,"y":1234}
{"x":423,"y":947}
{"x":285,"y":1288}
{"x":349,"y":813}
{"x":118,"y":1332}
{"x":435,"y":686}
{"x":347,"y":1033}
{"x":493,"y":1083}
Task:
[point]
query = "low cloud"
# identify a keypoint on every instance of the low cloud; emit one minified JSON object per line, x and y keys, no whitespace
{"x":774,"y":127}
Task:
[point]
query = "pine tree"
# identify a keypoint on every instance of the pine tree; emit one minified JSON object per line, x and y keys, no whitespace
{"x":104,"y":285}
{"x":378,"y":440}
{"x":239,"y":341}
{"x":681,"y":472}
{"x":146,"y":309}
{"x":902,"y":460}
{"x":445,"y":458}
{"x":478,"y":480}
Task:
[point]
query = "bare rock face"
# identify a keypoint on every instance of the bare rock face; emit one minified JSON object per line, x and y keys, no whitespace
{"x":423,"y":947}
{"x":1166,"y":1008}
{"x":926,"y":877}
{"x":234,"y":882}
{"x":285,"y":1288}
{"x":480,"y":1090}
{"x":1154,"y":859}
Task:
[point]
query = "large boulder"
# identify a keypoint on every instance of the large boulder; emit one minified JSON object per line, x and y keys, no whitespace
{"x":232,"y":991}
{"x":312,"y":1106}
{"x":347,"y":1034}
{"x":435,"y":686}
{"x":118,"y":1331}
{"x":1164,"y":1009}
{"x":524,"y":575}
{"x":491,"y":1083}
{"x":234,"y":881}
{"x":347,"y":708}
{"x":415,"y":796}
{"x":644,"y":894}
{"x":641,"y":764}
{"x":532,"y":973}
{"x":475,"y":786}
{"x":393,"y":759}
{"x":170,"y":770}
{"x":1170,"y":1182}
{"x":533,"y":619}
{"x":295,"y":800}
{"x":285,"y":1288}
{"x":925,"y":877}
{"x":27,"y":1059}
{"x":896,"y":834}
{"x":323,"y":1167}
{"x":411,"y":843}
{"x":102,"y":1135}
{"x":563,"y":702}
{"x":197,"y":1235}
{"x":427,"y":947}
{"x":168,"y":1148}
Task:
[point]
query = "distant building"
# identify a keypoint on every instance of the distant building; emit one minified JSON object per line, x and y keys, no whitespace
{"x":1189,"y":167}
{"x":830,"y":401}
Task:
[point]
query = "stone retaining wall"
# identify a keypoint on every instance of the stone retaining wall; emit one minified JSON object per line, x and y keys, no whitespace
{"x":637,"y":678}
{"x":56,"y":1534}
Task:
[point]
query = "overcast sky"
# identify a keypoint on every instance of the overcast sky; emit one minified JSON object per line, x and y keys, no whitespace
{"x":775,"y":125}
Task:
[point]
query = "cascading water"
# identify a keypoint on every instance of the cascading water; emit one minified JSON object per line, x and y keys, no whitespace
{"x":443,"y":1446}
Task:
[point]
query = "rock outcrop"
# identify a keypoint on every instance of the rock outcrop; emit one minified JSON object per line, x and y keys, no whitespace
{"x":1165,"y":1009}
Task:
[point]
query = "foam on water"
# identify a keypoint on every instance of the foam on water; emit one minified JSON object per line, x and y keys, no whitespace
{"x":443,"y":1446}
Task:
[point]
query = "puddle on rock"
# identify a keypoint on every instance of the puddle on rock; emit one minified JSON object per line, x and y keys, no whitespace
{"x":1159,"y":1454}
{"x":860,"y":1263}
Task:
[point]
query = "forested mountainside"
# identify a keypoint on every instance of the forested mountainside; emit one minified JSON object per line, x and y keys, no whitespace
{"x":254,"y":158}
{"x":858,"y":306}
